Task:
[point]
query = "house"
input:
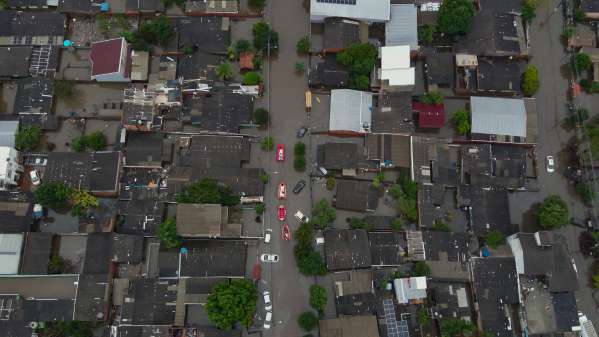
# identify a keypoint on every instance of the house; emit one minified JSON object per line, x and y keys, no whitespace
{"x":354,"y":292}
{"x":31,"y":28}
{"x":208,"y":34}
{"x":144,"y":150}
{"x":393,"y":114}
{"x":410,"y":289}
{"x":490,"y":209}
{"x":96,"y":172}
{"x":447,"y":254}
{"x":246,"y":61}
{"x":430,"y":116}
{"x":438,"y":69}
{"x":82,"y":7}
{"x":503,"y":119}
{"x":434,"y":160}
{"x":327,"y":73}
{"x":111,"y":60}
{"x":15,"y":61}
{"x":10,"y":168}
{"x":584,"y":36}
{"x":346,"y":249}
{"x":200,"y":65}
{"x":395,"y":73}
{"x":342,"y":156}
{"x":146,"y":108}
{"x":351,"y":112}
{"x":244,"y":182}
{"x":221,"y":110}
{"x":389,"y":150}
{"x":211,"y":258}
{"x":218,"y":7}
{"x":33,"y":102}
{"x":499,"y":76}
{"x":147,"y":301}
{"x":387,"y":248}
{"x":450,"y":299}
{"x":590,"y":8}
{"x":340,"y":33}
{"x":213,"y":151}
{"x":401,"y":29}
{"x":368,"y":11}
{"x":11,"y":246}
{"x":594,"y":55}
{"x":135,"y":7}
{"x":8,"y":131}
{"x":16,"y":208}
{"x":356,"y":195}
{"x":205,"y":220}
{"x":349,"y":326}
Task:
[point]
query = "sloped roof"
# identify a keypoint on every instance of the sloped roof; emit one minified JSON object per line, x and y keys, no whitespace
{"x":105,"y":56}
{"x":8,"y":129}
{"x":367,"y":10}
{"x":430,"y":115}
{"x":498,"y":116}
{"x":351,"y":110}
{"x":401,"y":30}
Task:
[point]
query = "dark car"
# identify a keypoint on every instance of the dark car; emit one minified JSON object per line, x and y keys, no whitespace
{"x":301,"y":132}
{"x":299,"y":186}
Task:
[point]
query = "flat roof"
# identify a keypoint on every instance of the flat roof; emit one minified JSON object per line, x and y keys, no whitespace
{"x":366,"y":10}
{"x":395,"y":66}
{"x":347,"y":249}
{"x":498,"y":116}
{"x":15,"y":61}
{"x":211,"y":258}
{"x":201,"y":219}
{"x":62,"y":287}
{"x":401,"y":30}
{"x":10,"y":253}
{"x":351,"y":111}
{"x":37,"y":252}
{"x":349,"y":326}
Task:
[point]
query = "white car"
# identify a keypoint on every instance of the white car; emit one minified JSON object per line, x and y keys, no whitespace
{"x":35,"y":177}
{"x":267,"y":236}
{"x":550,"y":164}
{"x":301,"y":217}
{"x":267,"y":302}
{"x":269,"y":258}
{"x":267,"y":320}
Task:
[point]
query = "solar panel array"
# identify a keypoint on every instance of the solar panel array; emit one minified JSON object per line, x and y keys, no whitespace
{"x":338,"y":2}
{"x":394,"y":328}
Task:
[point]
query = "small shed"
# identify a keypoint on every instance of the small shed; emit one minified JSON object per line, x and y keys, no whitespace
{"x":430,"y":116}
{"x":246,"y":61}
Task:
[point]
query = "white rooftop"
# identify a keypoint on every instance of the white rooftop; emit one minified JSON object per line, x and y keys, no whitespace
{"x":351,"y":111}
{"x":498,"y":116}
{"x":413,"y":288}
{"x":395,"y":66}
{"x":364,"y":10}
{"x":8,"y":130}
{"x":10,"y":253}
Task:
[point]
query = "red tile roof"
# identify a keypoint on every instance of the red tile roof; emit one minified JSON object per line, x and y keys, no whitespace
{"x":430,"y":115}
{"x":106,"y":56}
{"x":246,"y":61}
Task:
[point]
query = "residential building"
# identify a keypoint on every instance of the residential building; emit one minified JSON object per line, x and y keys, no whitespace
{"x":410,"y":290}
{"x":15,"y":61}
{"x":364,"y":10}
{"x":498,"y":119}
{"x":31,"y":28}
{"x":346,"y":249}
{"x":356,"y":195}
{"x":218,"y":7}
{"x":342,"y":156}
{"x":111,"y":60}
{"x":401,"y":29}
{"x":10,"y":168}
{"x":351,"y":112}
{"x":590,"y":8}
{"x":340,"y":33}
{"x":349,"y":326}
{"x":390,"y":151}
{"x":33,"y":102}
{"x":327,"y":73}
{"x":31,"y":4}
{"x":396,"y":73}
{"x":387,"y":248}
{"x":16,"y":208}
{"x":205,"y":220}
{"x":430,"y":116}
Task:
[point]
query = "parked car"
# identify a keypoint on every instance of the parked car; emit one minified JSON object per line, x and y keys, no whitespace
{"x":35,"y":177}
{"x":550,"y":164}
{"x":267,"y":236}
{"x":267,"y":320}
{"x":267,"y":303}
{"x":301,"y":217}
{"x":282,"y":213}
{"x":302,"y":132}
{"x":269,"y":258}
{"x":323,"y":171}
{"x":282,"y":191}
{"x":280,"y":152}
{"x":299,"y":186}
{"x":41,"y":161}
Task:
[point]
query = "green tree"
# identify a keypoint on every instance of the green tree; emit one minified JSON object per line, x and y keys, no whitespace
{"x":299,"y":149}
{"x":264,"y":178}
{"x":267,"y":144}
{"x":158,"y":30}
{"x":261,"y":116}
{"x":359,"y":59}
{"x":420,"y":268}
{"x":426,"y":34}
{"x":78,"y":144}
{"x":397,"y":224}
{"x":263,"y":34}
{"x":596,"y":281}
{"x":257,"y":4}
{"x":408,"y":208}
{"x":569,"y":31}
{"x":299,"y":163}
{"x":82,"y":201}
{"x":28,"y":138}
{"x":581,"y":62}
{"x":300,"y":68}
{"x":224,"y":71}
{"x":530,"y":80}
{"x":251,"y":78}
{"x":96,"y":141}
{"x":259,"y":208}
{"x":167,"y":233}
{"x":58,"y":265}
{"x":318,"y":297}
{"x":432,"y":97}
{"x":461,"y":121}
{"x":64,"y":88}
{"x":494,"y":238}
{"x":330,"y":183}
{"x":455,"y":16}
{"x":54,"y":195}
{"x":303,"y":45}
{"x":586,"y":192}
{"x":553,"y":212}
{"x":242,"y":46}
{"x":68,"y":328}
{"x":378,"y":179}
{"x":440,"y":226}
{"x":310,"y":262}
{"x":579,"y":15}
{"x":423,"y":317}
{"x":308,"y":320}
{"x":323,"y":214}
{"x":207,"y":191}
{"x":455,"y":327}
{"x":232,"y":302}
{"x":528,"y":11}
{"x":357,"y":223}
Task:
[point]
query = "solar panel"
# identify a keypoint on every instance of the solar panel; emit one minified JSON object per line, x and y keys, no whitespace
{"x":394,"y":328}
{"x":338,"y":2}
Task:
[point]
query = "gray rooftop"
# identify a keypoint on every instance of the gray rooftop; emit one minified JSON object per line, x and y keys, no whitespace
{"x":498,"y":116}
{"x":401,"y":30}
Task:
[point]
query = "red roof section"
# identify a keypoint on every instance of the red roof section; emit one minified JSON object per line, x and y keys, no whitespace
{"x":430,"y":116}
{"x":246,"y":61}
{"x":106,"y":56}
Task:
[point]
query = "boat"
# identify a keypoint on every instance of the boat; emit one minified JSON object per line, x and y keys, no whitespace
{"x":286,"y":233}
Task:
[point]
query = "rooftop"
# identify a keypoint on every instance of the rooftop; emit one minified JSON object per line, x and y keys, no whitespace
{"x":395,"y":66}
{"x":8,"y":130}
{"x":498,"y":116}
{"x":431,"y":116}
{"x":410,"y":290}
{"x":105,"y":56}
{"x":97,"y":171}
{"x":350,"y":326}
{"x":34,"y":96}
{"x":213,"y":151}
{"x":494,"y":34}
{"x":211,"y":258}
{"x":15,"y":61}
{"x":387,"y":248}
{"x":439,"y":68}
{"x":356,"y":195}
{"x":401,"y":29}
{"x":11,"y":246}
{"x":31,"y":28}
{"x":210,"y":34}
{"x":499,"y":74}
{"x":450,"y":299}
{"x":328,"y":73}
{"x":446,"y":246}
{"x":79,"y":6}
{"x":149,"y":301}
{"x":36,"y":254}
{"x":350,"y":111}
{"x":347,"y":249}
{"x":205,"y":220}
{"x":144,"y":149}
{"x":364,"y":10}
{"x":16,"y":210}
{"x":339,"y":156}
{"x":389,"y":150}
{"x":490,"y":210}
{"x":222,"y":110}
{"x":340,"y":33}
{"x":393,"y":114}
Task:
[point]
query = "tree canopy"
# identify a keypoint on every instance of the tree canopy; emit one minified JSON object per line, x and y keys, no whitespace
{"x":261,"y":116}
{"x":82,"y":201}
{"x":323,"y":214}
{"x":530,"y":81}
{"x":167,"y":233}
{"x":242,"y":46}
{"x":318,"y":297}
{"x":455,"y":327}
{"x":207,"y":191}
{"x":54,"y":195}
{"x":461,"y":121}
{"x":232,"y":302}
{"x":455,"y":16}
{"x":308,"y":320}
{"x":359,"y":59}
{"x":420,"y":268}
{"x":224,"y":71}
{"x":581,"y":62}
{"x":303,"y":45}
{"x":432,"y":97}
{"x":553,"y":212}
{"x":494,"y":238}
{"x":28,"y":138}
{"x":309,"y":261}
{"x":262,"y":35}
{"x":251,"y":78}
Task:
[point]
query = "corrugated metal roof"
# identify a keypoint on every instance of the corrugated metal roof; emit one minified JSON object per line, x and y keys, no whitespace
{"x":365,"y":10}
{"x":498,"y":116}
{"x":401,"y":30}
{"x":10,"y":253}
{"x":351,"y":110}
{"x":8,"y":129}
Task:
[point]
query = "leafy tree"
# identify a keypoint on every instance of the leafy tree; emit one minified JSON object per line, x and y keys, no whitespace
{"x":553,"y":212}
{"x":581,"y":62}
{"x":303,"y":45}
{"x":207,"y":191}
{"x":440,"y":226}
{"x":596,"y":281}
{"x":299,"y":149}
{"x":264,"y":178}
{"x":263,"y":34}
{"x":257,"y":4}
{"x":96,"y":141}
{"x":267,"y":144}
{"x":455,"y":16}
{"x":299,"y":163}
{"x":224,"y":71}
{"x":397,"y":224}
{"x":530,"y":80}
{"x":309,"y":262}
{"x":359,"y":59}
{"x":167,"y":233}
{"x":330,"y":183}
{"x":423,"y":317}
{"x":82,"y":201}
{"x":305,"y":235}
{"x":54,"y":195}
{"x":28,"y":138}
{"x":251,"y":78}
{"x":408,"y":208}
{"x":454,"y":327}
{"x":261,"y":116}
{"x":528,"y":11}
{"x":357,"y":223}
{"x":58,"y":265}
{"x":300,"y":68}
{"x":323,"y":214}
{"x":461,"y":121}
{"x":432,"y":97}
{"x":586,"y":192}
{"x":318,"y":297}
{"x":426,"y":34}
{"x":587,"y":243}
{"x":171,"y":3}
{"x":378,"y":179}
{"x":232,"y":302}
{"x":64,"y":88}
{"x":158,"y":30}
{"x":68,"y":328}
{"x":494,"y":238}
{"x":308,"y":320}
{"x":78,"y":144}
{"x":188,"y":50}
{"x":569,"y":31}
{"x":579,"y":15}
{"x":420,"y":268}
{"x":242,"y":46}
{"x":259,"y":208}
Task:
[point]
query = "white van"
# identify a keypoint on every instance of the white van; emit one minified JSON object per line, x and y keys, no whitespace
{"x":267,"y":236}
{"x":301,"y":217}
